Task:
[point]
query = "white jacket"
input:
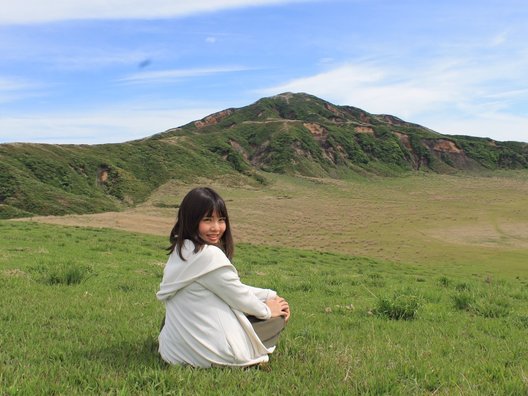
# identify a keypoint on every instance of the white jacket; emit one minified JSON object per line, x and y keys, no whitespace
{"x":206,"y":307}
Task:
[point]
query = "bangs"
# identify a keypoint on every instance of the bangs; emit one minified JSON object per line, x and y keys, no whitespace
{"x":216,"y":206}
{"x":200,"y":202}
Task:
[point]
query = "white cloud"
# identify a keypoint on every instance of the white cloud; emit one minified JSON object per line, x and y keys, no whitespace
{"x":14,"y":84}
{"x":38,"y":11}
{"x":210,"y":40}
{"x":371,"y":87}
{"x":110,"y":126}
{"x":449,"y":96}
{"x":7,"y":84}
{"x":497,"y":126}
{"x":13,"y":89}
{"x":499,"y":39}
{"x":177,"y":74}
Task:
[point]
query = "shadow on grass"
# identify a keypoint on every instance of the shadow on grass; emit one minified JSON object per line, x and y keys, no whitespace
{"x":127,"y":354}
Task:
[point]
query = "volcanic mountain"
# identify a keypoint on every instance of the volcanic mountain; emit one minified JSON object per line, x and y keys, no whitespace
{"x":298,"y":134}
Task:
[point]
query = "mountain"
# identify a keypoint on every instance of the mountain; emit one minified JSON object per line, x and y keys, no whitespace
{"x":288,"y":133}
{"x":300,"y":133}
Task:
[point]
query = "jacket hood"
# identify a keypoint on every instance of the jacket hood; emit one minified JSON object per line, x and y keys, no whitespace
{"x":180,"y":273}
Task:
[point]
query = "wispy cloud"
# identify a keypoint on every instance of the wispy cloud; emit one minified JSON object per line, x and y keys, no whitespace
{"x":498,"y":126}
{"x":461,"y":95}
{"x":112,"y":125}
{"x":499,"y":39}
{"x":37,"y":11}
{"x":95,"y":60}
{"x":177,"y":74}
{"x":11,"y":84}
{"x":13,"y":89}
{"x":409,"y":91}
{"x":373,"y":87}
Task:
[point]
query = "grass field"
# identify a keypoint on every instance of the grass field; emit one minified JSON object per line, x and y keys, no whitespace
{"x":413,"y":285}
{"x":461,"y":223}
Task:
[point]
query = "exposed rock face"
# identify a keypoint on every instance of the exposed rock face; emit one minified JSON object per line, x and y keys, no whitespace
{"x":392,"y":120}
{"x":102,"y":174}
{"x":213,"y":118}
{"x":364,"y":129}
{"x":446,"y":146}
{"x":364,"y":118}
{"x":448,"y":152}
{"x":406,"y":141}
{"x":319,"y":132}
{"x":237,"y":147}
{"x":331,"y":108}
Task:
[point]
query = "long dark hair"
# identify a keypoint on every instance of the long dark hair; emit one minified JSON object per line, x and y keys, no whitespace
{"x":200,"y":202}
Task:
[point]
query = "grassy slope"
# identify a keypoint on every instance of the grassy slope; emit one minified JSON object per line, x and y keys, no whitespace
{"x":451,"y":247}
{"x":471,"y":224}
{"x":61,"y":179}
{"x":288,"y":134}
{"x":274,"y":134}
{"x":98,"y":336}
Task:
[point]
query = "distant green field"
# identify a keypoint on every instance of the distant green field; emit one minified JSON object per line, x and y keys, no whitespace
{"x":457,"y":223}
{"x":78,"y":315}
{"x":289,"y":134}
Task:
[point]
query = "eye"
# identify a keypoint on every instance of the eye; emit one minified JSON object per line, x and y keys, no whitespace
{"x":222,"y":219}
{"x":207,"y":219}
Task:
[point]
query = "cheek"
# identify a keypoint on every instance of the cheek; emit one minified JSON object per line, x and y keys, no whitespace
{"x":202,"y":228}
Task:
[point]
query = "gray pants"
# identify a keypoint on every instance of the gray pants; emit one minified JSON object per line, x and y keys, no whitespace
{"x":268,"y":330}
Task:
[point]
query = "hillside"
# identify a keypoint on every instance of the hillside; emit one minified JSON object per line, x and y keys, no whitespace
{"x":287,"y":133}
{"x":300,"y":133}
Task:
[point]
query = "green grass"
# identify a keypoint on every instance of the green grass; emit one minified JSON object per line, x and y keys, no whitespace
{"x":461,"y":224}
{"x":78,"y":315}
{"x":61,"y":179}
{"x":287,"y":134}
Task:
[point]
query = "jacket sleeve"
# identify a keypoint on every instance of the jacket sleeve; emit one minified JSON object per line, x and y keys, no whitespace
{"x":225,"y":283}
{"x":263,"y":294}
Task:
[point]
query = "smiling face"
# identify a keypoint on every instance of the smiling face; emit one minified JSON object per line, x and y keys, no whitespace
{"x":202,"y":219}
{"x":212,"y":228}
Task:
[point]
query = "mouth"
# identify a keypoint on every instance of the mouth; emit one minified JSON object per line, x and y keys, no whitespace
{"x":213,"y":238}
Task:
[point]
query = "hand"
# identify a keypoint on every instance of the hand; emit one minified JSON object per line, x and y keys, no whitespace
{"x":287,"y":316}
{"x":279,"y":307}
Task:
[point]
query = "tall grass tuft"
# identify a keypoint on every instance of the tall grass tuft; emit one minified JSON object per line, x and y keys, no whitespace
{"x":463,"y":301}
{"x":62,"y":273}
{"x":492,"y":309}
{"x":444,"y":281}
{"x":488,"y":304}
{"x":401,"y":306}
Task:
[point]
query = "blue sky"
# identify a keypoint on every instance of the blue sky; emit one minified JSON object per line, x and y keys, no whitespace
{"x":104,"y":71}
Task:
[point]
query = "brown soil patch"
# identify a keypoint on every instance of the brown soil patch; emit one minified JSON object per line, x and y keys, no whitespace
{"x":318,"y":131}
{"x":239,"y":149}
{"x":364,"y":129}
{"x":131,"y":220}
{"x":485,"y":235}
{"x":15,"y":272}
{"x":213,"y":118}
{"x":438,"y":218}
{"x":404,"y":139}
{"x":446,"y":146}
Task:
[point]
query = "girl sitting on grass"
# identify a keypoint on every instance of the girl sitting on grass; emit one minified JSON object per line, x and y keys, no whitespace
{"x":211,"y":317}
